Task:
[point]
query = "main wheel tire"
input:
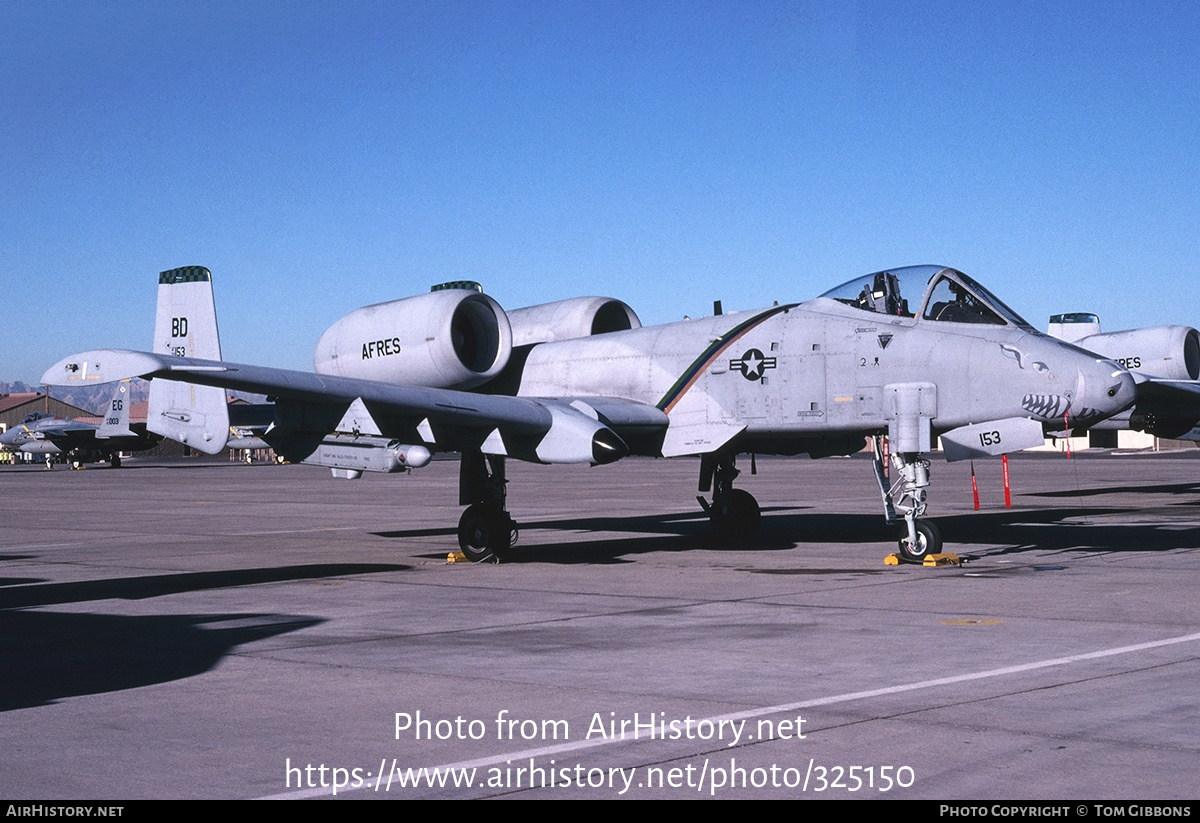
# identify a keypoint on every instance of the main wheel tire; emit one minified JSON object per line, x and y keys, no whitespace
{"x":484,"y":532}
{"x":115,"y":461}
{"x":736,"y":518}
{"x":929,"y":541}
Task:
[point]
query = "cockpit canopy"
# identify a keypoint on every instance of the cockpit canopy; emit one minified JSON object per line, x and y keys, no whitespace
{"x":36,"y":416}
{"x":938,"y":293}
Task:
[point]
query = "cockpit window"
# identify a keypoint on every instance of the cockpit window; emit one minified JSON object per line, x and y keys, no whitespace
{"x":940,"y":293}
{"x":882,"y":295}
{"x":885,"y":292}
{"x":951,"y":301}
{"x":994,"y":302}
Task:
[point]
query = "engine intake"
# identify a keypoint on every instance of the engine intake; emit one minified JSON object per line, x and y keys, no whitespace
{"x":453,"y":338}
{"x":571,"y":319}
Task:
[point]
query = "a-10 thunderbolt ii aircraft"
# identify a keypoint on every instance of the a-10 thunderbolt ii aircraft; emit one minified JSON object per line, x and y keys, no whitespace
{"x":41,"y":433}
{"x":1165,"y":363}
{"x":908,"y":353}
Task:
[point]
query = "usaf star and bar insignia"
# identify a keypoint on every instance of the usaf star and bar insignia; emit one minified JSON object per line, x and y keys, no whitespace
{"x":752,"y":364}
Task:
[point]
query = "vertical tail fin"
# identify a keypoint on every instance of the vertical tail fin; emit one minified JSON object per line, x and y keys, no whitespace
{"x":185,"y":324}
{"x":116,"y":416}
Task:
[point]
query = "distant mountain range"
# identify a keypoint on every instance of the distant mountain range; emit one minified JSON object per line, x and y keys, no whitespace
{"x":95,"y":398}
{"x":16,"y":388}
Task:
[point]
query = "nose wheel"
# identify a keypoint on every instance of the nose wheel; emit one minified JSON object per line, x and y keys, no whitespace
{"x":904,"y":501}
{"x":928,"y":541}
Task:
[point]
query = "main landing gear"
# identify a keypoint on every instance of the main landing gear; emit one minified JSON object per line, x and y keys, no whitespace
{"x":734,"y":513}
{"x":918,"y":538}
{"x":485,"y":530}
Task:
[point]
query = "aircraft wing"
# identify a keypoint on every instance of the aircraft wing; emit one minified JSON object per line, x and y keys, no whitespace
{"x":1183,"y":395}
{"x":559,"y":429}
{"x":65,"y":434}
{"x":1167,"y":407}
{"x":66,"y":430}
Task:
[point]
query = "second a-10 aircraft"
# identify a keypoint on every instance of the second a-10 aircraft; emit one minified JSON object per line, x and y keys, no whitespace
{"x":908,"y":353}
{"x":1165,"y":360}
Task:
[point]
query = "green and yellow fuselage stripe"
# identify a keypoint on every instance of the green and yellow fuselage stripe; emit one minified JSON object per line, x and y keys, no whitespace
{"x":712,"y":353}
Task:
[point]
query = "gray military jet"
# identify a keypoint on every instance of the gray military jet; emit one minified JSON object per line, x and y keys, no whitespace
{"x":908,"y":353}
{"x":41,"y":433}
{"x":1165,"y":363}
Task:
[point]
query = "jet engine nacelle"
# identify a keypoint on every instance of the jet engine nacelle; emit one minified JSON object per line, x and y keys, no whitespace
{"x":570,"y":319}
{"x":1171,"y":352}
{"x":445,"y":339}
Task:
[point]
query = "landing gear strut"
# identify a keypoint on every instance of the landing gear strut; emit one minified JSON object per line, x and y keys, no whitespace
{"x":734,"y":513}
{"x":485,"y":530}
{"x":918,"y":538}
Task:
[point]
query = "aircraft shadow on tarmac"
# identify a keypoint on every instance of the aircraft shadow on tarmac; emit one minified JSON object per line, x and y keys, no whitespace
{"x":46,"y":656}
{"x":140,"y":588}
{"x":677,"y":531}
{"x":970,"y":534}
{"x":1191,"y":489}
{"x":1010,"y":532}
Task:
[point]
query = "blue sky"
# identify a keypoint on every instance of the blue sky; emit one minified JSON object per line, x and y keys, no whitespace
{"x":322,"y":156}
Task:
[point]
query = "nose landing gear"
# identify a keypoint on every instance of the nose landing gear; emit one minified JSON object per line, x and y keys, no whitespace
{"x":918,"y":538}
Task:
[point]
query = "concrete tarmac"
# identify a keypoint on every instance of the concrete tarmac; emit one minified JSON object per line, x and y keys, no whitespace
{"x":196,"y":629}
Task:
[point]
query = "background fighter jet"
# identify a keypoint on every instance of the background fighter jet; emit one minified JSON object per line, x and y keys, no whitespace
{"x":907,"y":353}
{"x":41,"y":433}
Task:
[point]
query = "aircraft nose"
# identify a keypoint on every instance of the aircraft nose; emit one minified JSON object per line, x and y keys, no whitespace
{"x":1104,"y":390}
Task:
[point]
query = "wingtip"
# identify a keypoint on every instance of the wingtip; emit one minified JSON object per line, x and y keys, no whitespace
{"x":100,"y":366}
